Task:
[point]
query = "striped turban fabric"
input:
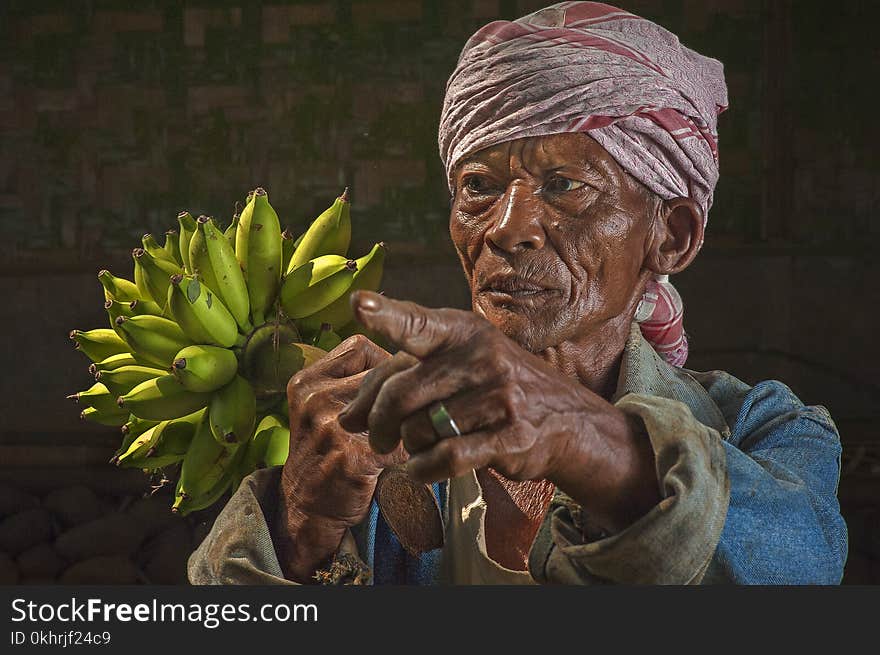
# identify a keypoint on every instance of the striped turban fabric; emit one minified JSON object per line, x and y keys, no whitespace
{"x":651,"y":102}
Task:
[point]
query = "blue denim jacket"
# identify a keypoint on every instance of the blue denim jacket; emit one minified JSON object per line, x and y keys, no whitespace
{"x":783,"y":519}
{"x":748,"y":477}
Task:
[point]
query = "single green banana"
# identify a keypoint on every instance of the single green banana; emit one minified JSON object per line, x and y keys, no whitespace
{"x":255,"y":455}
{"x":287,"y":248}
{"x":201,"y":314}
{"x":214,"y":261}
{"x":205,"y":465}
{"x":258,"y":249}
{"x":167,"y":445}
{"x":125,"y":378}
{"x":187,"y":228}
{"x":113,"y":362}
{"x":277,"y":446}
{"x":154,"y":339}
{"x":141,"y":444}
{"x":98,"y":344}
{"x":153,"y":276}
{"x":329,"y":234}
{"x":316,"y":284}
{"x":186,"y":503}
{"x":135,"y":426}
{"x":117,"y":288}
{"x":97,"y":396}
{"x":272,"y":355}
{"x":115,"y":308}
{"x":96,"y":415}
{"x":138,"y":307}
{"x":162,"y":398}
{"x":368,"y":276}
{"x":172,"y":246}
{"x":131,"y":430}
{"x":204,"y":368}
{"x":231,"y":229}
{"x":233,"y":413}
{"x":156,"y":251}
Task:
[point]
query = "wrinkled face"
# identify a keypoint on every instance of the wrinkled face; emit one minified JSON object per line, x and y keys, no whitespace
{"x":552,"y":234}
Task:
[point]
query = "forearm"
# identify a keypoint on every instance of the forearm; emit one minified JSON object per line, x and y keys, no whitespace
{"x":674,"y":542}
{"x":609,"y":470}
{"x":304,"y":542}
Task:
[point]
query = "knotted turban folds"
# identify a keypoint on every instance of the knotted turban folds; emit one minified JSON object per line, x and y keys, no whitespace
{"x":651,"y":102}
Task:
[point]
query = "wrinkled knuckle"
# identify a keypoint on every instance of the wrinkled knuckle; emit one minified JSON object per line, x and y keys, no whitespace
{"x":296,"y":385}
{"x":454,"y":456}
{"x":416,"y":323}
{"x":357,"y":341}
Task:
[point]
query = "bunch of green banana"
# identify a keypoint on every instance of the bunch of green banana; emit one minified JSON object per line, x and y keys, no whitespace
{"x":203,"y":337}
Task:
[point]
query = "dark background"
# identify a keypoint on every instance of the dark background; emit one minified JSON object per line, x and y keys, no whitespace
{"x":116,"y":115}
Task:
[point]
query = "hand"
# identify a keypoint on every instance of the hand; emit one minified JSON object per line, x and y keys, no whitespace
{"x":517,"y":413}
{"x":328,"y":481}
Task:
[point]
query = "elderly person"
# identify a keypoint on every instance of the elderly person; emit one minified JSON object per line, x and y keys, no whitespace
{"x":562,"y":440}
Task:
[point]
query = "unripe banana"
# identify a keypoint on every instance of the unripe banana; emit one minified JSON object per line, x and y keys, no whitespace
{"x":153,"y":276}
{"x":156,"y":251}
{"x":97,"y":396}
{"x":113,"y":362}
{"x":163,"y":445}
{"x":232,"y":413}
{"x":368,"y":276}
{"x":255,"y":455}
{"x":214,"y":261}
{"x":125,"y":378}
{"x":172,"y":246}
{"x":161,"y":399}
{"x":287,"y":248}
{"x":231,"y":229}
{"x":131,"y":430}
{"x":206,"y":465}
{"x":185,"y":503}
{"x":154,"y":339}
{"x":99,"y":344}
{"x":140,"y":445}
{"x":272,"y":355}
{"x":139,"y":307}
{"x":329,"y":234}
{"x":201,"y":314}
{"x":204,"y":368}
{"x":117,"y":288}
{"x":187,"y":228}
{"x":115,"y":309}
{"x":258,"y":249}
{"x":135,"y":426}
{"x":96,"y":415}
{"x":316,"y":284}
{"x":277,"y":446}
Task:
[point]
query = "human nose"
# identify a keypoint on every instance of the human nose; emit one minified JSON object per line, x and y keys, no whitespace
{"x":519,"y":226}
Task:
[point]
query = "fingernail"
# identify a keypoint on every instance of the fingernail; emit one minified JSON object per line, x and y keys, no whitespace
{"x":369,"y":304}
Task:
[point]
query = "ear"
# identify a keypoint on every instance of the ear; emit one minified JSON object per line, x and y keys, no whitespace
{"x":677,"y":236}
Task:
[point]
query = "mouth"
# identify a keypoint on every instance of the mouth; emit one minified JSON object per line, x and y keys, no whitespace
{"x":511,"y":287}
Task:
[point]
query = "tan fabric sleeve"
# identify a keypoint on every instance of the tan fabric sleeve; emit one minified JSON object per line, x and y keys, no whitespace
{"x":239,"y":547}
{"x":673,"y":543}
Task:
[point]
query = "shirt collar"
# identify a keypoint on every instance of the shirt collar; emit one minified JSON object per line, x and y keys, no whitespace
{"x":643,"y":371}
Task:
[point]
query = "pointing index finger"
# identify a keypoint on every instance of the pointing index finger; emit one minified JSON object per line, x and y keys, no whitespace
{"x":418,"y":330}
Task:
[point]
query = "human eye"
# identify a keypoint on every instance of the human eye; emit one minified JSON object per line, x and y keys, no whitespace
{"x":477,"y":185}
{"x":559,"y":184}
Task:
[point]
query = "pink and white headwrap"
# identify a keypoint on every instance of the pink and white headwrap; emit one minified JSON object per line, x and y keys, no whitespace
{"x":652,"y":103}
